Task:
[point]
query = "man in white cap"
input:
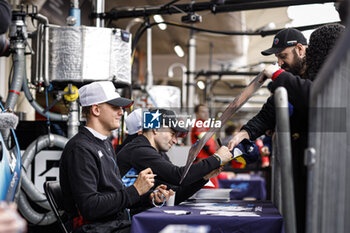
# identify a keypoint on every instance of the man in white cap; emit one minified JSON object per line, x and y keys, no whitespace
{"x":134,"y":126}
{"x":95,"y":197}
{"x":134,"y":122}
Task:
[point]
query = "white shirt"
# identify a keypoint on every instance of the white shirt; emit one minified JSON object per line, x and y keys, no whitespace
{"x":96,"y":134}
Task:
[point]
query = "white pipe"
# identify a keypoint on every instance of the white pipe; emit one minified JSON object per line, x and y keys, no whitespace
{"x":46,"y":56}
{"x":44,"y":51}
{"x":184,"y":79}
{"x":75,"y":3}
{"x":149,"y":59}
{"x":132,"y":23}
{"x":100,"y":8}
{"x":192,"y":68}
{"x":73,"y":119}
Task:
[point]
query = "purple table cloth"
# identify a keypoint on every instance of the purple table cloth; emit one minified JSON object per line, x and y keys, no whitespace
{"x":242,"y":188}
{"x":268,"y":220}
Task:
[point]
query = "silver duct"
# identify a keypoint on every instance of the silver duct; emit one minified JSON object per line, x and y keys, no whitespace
{"x":28,"y":187}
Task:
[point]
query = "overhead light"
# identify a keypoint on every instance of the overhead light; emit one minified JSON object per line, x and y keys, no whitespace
{"x":159,"y":19}
{"x":201,"y":84}
{"x":179,"y":51}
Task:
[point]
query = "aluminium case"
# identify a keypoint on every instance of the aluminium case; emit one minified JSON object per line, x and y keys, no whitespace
{"x":84,"y":54}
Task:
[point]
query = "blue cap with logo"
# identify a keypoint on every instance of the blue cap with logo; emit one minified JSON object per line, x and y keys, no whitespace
{"x":246,"y":152}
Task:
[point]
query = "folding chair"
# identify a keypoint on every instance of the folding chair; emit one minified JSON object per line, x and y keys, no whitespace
{"x":55,"y":198}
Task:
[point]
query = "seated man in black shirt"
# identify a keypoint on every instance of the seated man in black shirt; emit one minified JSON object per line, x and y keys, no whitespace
{"x":148,"y":150}
{"x":93,"y":191}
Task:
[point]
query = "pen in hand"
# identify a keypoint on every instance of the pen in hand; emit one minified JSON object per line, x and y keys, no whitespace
{"x":135,"y":176}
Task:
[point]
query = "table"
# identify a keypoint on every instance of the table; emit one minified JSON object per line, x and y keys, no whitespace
{"x":264,"y":217}
{"x":241,"y":188}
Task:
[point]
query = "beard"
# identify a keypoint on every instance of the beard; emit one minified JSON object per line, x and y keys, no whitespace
{"x":297,"y":65}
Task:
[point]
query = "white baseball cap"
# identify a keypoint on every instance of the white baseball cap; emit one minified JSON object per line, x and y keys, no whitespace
{"x":102,"y":92}
{"x":134,"y":121}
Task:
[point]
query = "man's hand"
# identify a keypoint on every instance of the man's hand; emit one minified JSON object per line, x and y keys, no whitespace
{"x":213,"y":173}
{"x":144,"y":181}
{"x":159,"y":192}
{"x":224,"y":154}
{"x":10,"y":220}
{"x":237,"y":139}
{"x":270,"y":69}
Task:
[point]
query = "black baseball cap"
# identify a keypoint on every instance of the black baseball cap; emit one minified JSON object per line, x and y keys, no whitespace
{"x":283,"y":39}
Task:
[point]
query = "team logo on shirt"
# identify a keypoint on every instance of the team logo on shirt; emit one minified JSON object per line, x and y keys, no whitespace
{"x":100,"y":154}
{"x":151,"y":120}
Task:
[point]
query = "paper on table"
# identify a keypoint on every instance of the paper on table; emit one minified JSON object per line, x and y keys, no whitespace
{"x":225,"y":208}
{"x":209,"y":184}
{"x":229,"y":213}
{"x":186,"y":228}
{"x":212,"y":194}
{"x":200,"y":204}
{"x":177,"y":212}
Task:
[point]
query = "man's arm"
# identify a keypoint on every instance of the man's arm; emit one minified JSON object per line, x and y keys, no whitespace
{"x":298,"y":92}
{"x":183,"y":192}
{"x":263,"y":121}
{"x":298,"y":89}
{"x":186,"y":191}
{"x":145,"y":157}
{"x":258,"y":125}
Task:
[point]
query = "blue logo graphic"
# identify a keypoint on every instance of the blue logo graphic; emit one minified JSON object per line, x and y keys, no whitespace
{"x":151,"y":120}
{"x":276,"y":40}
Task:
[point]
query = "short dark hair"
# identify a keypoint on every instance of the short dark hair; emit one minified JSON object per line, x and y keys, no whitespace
{"x":230,"y":130}
{"x":196,"y":108}
{"x":146,"y":130}
{"x":86,"y":111}
{"x":169,"y":118}
{"x":322,"y":41}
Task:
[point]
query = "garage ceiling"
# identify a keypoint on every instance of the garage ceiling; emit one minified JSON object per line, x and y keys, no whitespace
{"x":227,"y":51}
